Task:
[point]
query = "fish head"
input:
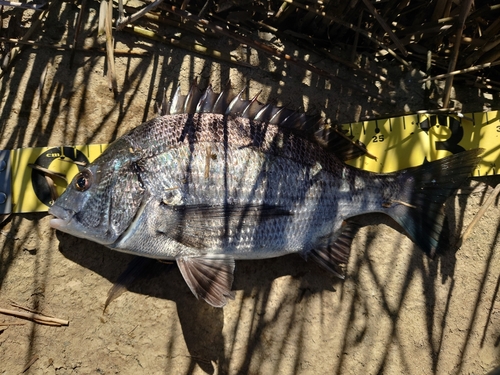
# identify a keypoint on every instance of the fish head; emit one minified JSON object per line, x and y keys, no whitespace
{"x":101,"y":201}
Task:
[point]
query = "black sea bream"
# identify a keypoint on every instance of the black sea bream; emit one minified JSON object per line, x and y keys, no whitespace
{"x":217,"y":178}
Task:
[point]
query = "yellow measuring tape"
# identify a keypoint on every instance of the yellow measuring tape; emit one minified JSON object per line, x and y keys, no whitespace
{"x":408,"y":141}
{"x":397,"y":143}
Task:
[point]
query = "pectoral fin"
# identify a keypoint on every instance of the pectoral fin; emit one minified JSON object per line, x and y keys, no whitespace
{"x":209,"y":277}
{"x":336,"y":253}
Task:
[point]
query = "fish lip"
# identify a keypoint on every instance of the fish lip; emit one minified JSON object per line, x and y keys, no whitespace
{"x":62,"y":217}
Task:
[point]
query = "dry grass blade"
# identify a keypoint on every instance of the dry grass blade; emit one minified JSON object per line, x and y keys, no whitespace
{"x":39,"y":89}
{"x":17,"y":49}
{"x":479,"y":215}
{"x":52,"y":187}
{"x":60,"y":47}
{"x":4,"y":217}
{"x":121,"y":23}
{"x":16,"y":4}
{"x":19,"y":306}
{"x":77,"y":31}
{"x":270,"y":50}
{"x":110,"y":49}
{"x":30,"y":363}
{"x":37,"y":318}
{"x":464,"y":11}
{"x":8,"y":324}
{"x":103,"y":10}
{"x":461,"y":71}
{"x":193,"y":47}
{"x":48,"y":171}
{"x":348,"y":25}
{"x":386,"y":27}
{"x":80,"y":163}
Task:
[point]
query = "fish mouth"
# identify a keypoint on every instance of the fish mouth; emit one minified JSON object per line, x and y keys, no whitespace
{"x":62,"y":217}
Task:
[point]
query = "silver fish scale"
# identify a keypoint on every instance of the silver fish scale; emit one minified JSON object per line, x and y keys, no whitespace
{"x":188,"y":160}
{"x":160,"y":134}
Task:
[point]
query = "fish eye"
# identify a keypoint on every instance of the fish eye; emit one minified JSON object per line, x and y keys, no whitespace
{"x":83,"y":180}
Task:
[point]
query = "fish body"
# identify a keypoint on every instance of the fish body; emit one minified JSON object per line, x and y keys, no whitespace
{"x":220,"y":178}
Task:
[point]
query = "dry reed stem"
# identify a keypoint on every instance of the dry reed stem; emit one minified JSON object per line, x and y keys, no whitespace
{"x":30,"y":363}
{"x":60,"y":47}
{"x":464,"y":12}
{"x":17,"y":49}
{"x":77,"y":31}
{"x":37,"y":318}
{"x":461,"y":71}
{"x":122,"y":22}
{"x":113,"y":86}
{"x":193,"y":47}
{"x":386,"y":27}
{"x":268,"y":49}
{"x":350,"y":26}
{"x":479,"y":215}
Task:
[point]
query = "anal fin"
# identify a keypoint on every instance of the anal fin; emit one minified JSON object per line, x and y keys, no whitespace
{"x":209,"y":277}
{"x":331,"y":256}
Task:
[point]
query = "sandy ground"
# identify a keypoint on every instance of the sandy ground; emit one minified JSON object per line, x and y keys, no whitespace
{"x":397,"y":312}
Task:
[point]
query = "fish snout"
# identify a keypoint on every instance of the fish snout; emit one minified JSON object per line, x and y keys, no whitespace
{"x":62,"y":217}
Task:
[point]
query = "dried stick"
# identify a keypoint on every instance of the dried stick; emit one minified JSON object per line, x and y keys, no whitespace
{"x":4,"y":217}
{"x":48,"y":171}
{"x":197,"y":48}
{"x":122,"y":22}
{"x":77,"y":31}
{"x":361,"y":31}
{"x":110,"y":49}
{"x":479,"y":215}
{"x":17,"y":49}
{"x":28,"y":365}
{"x":38,"y":318}
{"x":267,"y":49}
{"x":386,"y":27}
{"x":464,"y":12}
{"x":461,"y":71}
{"x":60,"y":47}
{"x":23,"y":5}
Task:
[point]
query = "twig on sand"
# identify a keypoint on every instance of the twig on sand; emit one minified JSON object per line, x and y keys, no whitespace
{"x":37,"y":318}
{"x":30,"y":363}
{"x":479,"y":215}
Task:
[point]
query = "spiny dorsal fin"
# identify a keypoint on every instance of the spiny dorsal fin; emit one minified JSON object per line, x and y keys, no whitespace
{"x":306,"y":126}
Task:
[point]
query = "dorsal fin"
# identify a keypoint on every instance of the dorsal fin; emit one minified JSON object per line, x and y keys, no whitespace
{"x":306,"y":126}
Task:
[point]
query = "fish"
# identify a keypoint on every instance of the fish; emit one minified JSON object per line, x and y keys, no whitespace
{"x":217,"y":178}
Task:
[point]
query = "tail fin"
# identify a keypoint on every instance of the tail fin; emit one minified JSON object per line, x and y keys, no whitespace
{"x":425,"y":190}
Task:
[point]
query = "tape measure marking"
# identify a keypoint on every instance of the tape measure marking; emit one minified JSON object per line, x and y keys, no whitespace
{"x":409,"y":141}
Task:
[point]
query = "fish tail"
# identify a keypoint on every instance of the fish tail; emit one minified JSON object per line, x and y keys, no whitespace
{"x":419,"y":210}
